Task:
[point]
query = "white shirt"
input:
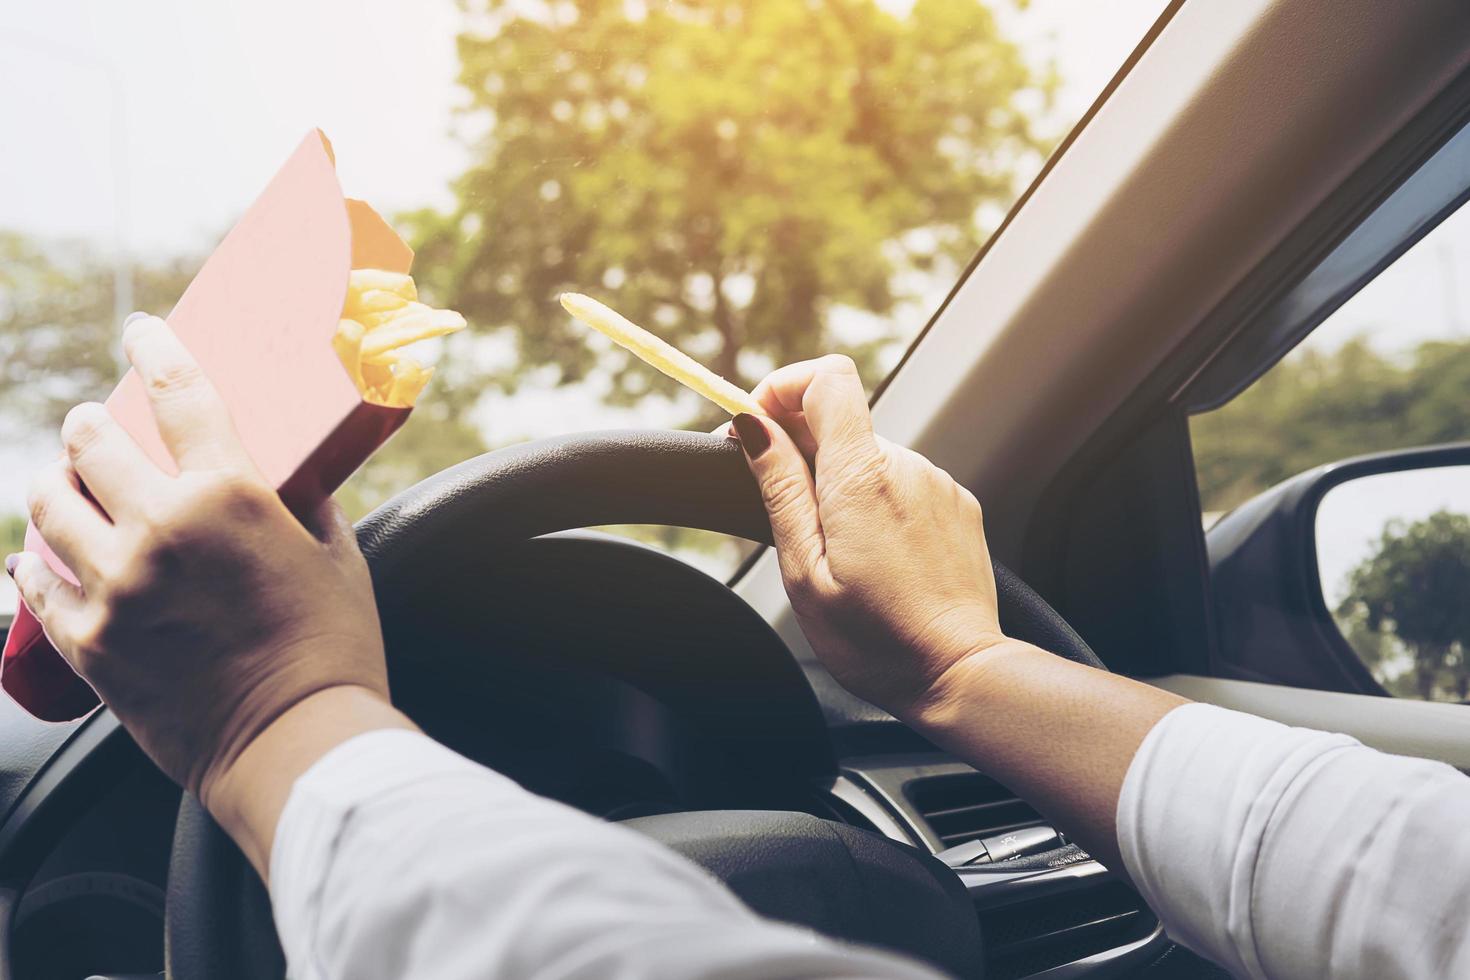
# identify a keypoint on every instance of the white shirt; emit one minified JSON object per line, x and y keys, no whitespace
{"x":1284,"y":852}
{"x":396,"y":858}
{"x":1276,"y":852}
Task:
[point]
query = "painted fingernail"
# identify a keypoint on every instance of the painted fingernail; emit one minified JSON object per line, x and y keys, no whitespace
{"x":139,"y":315}
{"x":754,"y":438}
{"x":10,"y":562}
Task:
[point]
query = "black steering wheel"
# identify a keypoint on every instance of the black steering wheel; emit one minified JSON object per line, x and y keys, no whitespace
{"x":822,"y":874}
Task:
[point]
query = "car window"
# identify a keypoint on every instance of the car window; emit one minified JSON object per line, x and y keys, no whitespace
{"x":1389,"y":369}
{"x":759,"y":181}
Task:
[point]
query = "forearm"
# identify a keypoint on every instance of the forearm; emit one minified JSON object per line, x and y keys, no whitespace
{"x":247,"y":799}
{"x":1060,"y":734}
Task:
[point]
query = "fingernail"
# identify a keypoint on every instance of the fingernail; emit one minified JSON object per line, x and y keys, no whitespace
{"x":134,"y":325}
{"x":754,"y":438}
{"x":10,"y":562}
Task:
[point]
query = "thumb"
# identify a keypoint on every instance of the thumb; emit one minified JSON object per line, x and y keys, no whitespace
{"x":330,"y":525}
{"x":790,"y":496}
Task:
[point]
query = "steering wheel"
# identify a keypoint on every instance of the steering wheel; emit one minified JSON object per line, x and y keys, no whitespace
{"x":819,"y":873}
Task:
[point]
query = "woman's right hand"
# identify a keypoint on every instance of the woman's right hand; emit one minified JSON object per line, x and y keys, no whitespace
{"x":883,"y":554}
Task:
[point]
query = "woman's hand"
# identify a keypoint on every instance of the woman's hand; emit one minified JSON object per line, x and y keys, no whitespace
{"x":204,"y":609}
{"x":884,"y":558}
{"x":883,"y":553}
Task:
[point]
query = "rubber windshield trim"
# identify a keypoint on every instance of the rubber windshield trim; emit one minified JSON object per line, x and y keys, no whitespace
{"x":1051,"y":161}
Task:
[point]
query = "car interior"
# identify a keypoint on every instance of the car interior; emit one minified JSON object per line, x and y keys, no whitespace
{"x":1251,"y":167}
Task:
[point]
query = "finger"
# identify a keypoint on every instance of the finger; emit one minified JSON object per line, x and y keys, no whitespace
{"x":823,"y":405}
{"x":70,"y":524}
{"x":833,"y":410}
{"x":781,"y":391}
{"x":111,"y":465}
{"x":790,"y":497}
{"x":779,"y":395}
{"x":191,"y":417}
{"x":836,"y":408}
{"x":54,"y":600}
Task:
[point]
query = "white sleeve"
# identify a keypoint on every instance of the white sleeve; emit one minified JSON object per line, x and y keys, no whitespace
{"x":394,"y":857}
{"x":1283,"y":852}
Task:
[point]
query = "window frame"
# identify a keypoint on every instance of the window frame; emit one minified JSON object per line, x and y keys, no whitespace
{"x":1166,"y":621}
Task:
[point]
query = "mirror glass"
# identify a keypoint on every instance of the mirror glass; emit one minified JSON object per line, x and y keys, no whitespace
{"x":1393,"y":553}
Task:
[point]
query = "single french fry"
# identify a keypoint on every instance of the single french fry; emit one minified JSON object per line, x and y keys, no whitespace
{"x":409,"y":379}
{"x":659,"y":354}
{"x":409,"y":330}
{"x":384,"y":317}
{"x":362,"y":280}
{"x":372,"y":301}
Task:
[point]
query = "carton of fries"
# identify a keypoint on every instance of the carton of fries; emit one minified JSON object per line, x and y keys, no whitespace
{"x":298,"y":319}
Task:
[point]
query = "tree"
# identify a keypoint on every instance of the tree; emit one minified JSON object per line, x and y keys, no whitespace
{"x":1316,"y":407}
{"x":434,"y":437}
{"x":1310,"y":409}
{"x":58,"y":341}
{"x":1411,"y":593}
{"x":730,"y":172}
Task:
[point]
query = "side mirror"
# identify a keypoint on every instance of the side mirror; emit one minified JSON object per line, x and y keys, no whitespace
{"x":1354,"y":576}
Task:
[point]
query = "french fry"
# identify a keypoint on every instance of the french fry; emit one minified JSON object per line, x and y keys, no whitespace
{"x":362,"y":280}
{"x":380,"y":316}
{"x":348,"y":344}
{"x":409,"y":329}
{"x":372,"y":301}
{"x":659,"y":354}
{"x":409,"y":378}
{"x":373,"y":320}
{"x":377,"y":381}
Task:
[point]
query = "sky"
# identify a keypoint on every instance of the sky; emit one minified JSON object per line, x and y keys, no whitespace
{"x":1422,"y":296}
{"x":156,"y":121}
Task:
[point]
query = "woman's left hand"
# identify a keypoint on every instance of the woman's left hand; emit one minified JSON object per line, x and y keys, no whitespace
{"x":205,"y":610}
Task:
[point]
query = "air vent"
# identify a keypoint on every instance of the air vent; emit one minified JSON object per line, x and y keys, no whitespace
{"x":965,"y":806}
{"x":1026,"y":938}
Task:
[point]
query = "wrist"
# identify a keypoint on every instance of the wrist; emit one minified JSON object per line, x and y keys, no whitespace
{"x":247,"y":793}
{"x":965,"y":683}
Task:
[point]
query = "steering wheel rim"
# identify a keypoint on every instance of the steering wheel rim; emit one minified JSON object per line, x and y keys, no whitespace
{"x":218,"y":921}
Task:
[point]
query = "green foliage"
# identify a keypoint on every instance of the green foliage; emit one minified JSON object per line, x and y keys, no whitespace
{"x":12,"y":533}
{"x":58,"y":341}
{"x":433,"y":438}
{"x":1405,"y":612}
{"x":1316,"y":407}
{"x":726,"y":172}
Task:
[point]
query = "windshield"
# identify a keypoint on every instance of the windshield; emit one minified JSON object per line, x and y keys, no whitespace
{"x":757,"y":181}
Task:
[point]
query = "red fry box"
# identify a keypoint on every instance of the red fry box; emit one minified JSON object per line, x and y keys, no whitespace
{"x":259,"y":317}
